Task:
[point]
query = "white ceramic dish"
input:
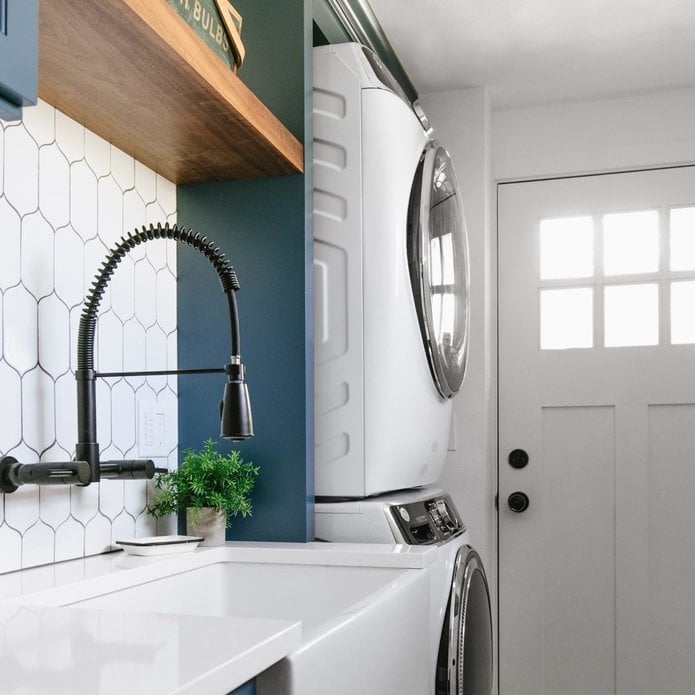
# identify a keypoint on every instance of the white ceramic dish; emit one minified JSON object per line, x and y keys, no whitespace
{"x":160,"y":545}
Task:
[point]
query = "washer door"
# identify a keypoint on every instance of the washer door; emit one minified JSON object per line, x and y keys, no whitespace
{"x":438,"y":262}
{"x":464,"y":662}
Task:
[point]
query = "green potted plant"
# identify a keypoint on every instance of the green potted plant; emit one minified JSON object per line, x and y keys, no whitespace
{"x":210,"y":488}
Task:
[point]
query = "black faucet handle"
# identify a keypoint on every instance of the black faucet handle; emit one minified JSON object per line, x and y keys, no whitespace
{"x":13,"y":474}
{"x":137,"y":469}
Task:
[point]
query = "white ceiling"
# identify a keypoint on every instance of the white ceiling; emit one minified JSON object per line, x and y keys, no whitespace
{"x":536,"y":51}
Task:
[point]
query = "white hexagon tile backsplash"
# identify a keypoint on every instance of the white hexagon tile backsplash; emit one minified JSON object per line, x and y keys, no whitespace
{"x":66,"y":197}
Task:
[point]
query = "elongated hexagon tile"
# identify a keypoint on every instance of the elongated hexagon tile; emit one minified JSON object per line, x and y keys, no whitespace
{"x":38,"y":545}
{"x":156,"y":342}
{"x":55,"y":503}
{"x":109,"y":342}
{"x":146,"y":292}
{"x":166,"y":300}
{"x":54,"y":336}
{"x":110,"y":211}
{"x":69,"y":137}
{"x":22,"y":160}
{"x":145,"y":182}
{"x":11,"y":544}
{"x":97,"y":537}
{"x":123,"y":419}
{"x":105,"y":414}
{"x":166,"y":195}
{"x":134,"y":349}
{"x":122,"y":528}
{"x":156,"y":348}
{"x":54,"y":185}
{"x":83,"y":200}
{"x":122,"y":168}
{"x":22,"y":506}
{"x":97,"y":152}
{"x":69,"y":266}
{"x":157,"y":251}
{"x":39,"y":121}
{"x":20,"y":344}
{"x":66,"y":412}
{"x":155,"y":214}
{"x":75,"y":317}
{"x":122,"y":295}
{"x":45,"y":307}
{"x":84,"y":502}
{"x":172,"y":353}
{"x":10,"y":408}
{"x":69,"y":540}
{"x":94,"y":255}
{"x":111,"y":492}
{"x":37,"y":255}
{"x":134,"y":214}
{"x":38,"y":409}
{"x":136,"y":497}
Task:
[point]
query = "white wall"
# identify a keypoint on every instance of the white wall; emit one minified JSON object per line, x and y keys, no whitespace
{"x":66,"y":196}
{"x":461,"y":120}
{"x":557,"y":139}
{"x":605,"y":135}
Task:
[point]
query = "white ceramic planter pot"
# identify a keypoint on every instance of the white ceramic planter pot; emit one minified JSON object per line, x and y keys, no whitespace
{"x":208,"y":523}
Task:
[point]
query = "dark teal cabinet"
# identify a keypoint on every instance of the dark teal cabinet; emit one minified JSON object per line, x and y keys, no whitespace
{"x":19,"y":56}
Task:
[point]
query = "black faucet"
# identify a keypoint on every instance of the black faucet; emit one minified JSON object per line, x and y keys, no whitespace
{"x":235,"y":408}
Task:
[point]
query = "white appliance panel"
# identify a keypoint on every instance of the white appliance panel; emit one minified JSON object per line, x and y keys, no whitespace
{"x":380,"y":423}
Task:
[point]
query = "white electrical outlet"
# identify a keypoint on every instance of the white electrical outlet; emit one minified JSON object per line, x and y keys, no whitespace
{"x":151,"y":433}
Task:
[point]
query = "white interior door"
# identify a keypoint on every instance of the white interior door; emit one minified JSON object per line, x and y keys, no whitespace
{"x":597,"y":385}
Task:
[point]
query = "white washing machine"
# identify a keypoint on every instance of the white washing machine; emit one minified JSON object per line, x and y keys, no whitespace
{"x":460,"y":629}
{"x":390,"y":286}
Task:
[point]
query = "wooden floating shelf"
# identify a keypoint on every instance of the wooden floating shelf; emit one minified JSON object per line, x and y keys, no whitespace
{"x":135,"y":73}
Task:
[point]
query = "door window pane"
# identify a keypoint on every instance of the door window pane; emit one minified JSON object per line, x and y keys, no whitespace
{"x":683,"y":312}
{"x":567,"y":318}
{"x":567,"y":248}
{"x":631,"y":242}
{"x":631,"y":315}
{"x":682,"y":223}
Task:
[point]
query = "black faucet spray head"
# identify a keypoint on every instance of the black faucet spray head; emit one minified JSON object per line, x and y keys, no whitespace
{"x":236,"y":421}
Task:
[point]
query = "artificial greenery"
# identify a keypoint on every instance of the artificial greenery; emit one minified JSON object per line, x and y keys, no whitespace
{"x":206,"y":479}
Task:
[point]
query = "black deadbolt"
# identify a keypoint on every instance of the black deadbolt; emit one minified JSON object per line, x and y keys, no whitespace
{"x":517,"y":458}
{"x":518,"y":502}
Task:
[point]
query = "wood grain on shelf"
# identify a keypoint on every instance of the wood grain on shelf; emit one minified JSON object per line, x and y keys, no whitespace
{"x":135,"y":73}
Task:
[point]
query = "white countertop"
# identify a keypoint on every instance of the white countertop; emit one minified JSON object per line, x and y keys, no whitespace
{"x":49,"y":648}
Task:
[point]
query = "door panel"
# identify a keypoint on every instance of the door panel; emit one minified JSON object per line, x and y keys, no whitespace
{"x":596,"y":591}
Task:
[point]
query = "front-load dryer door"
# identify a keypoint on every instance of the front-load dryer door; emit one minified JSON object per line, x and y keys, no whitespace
{"x":438,"y":263}
{"x":464,"y":663}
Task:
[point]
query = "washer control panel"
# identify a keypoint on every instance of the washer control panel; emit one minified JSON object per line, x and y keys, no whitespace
{"x":427,"y":521}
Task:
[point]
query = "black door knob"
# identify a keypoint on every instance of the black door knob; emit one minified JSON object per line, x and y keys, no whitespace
{"x":518,"y":502}
{"x":517,"y":458}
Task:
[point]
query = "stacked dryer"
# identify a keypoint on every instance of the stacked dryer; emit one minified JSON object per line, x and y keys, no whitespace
{"x":391,"y":342}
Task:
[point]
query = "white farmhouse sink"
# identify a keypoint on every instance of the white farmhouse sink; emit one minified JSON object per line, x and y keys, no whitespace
{"x":313,"y":594}
{"x":363,"y":617}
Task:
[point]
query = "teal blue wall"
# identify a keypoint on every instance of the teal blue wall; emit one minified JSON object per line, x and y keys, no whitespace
{"x":264,"y":227}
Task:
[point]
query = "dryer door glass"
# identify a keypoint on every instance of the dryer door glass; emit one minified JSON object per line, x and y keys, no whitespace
{"x":464,"y":663}
{"x":438,"y":262}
